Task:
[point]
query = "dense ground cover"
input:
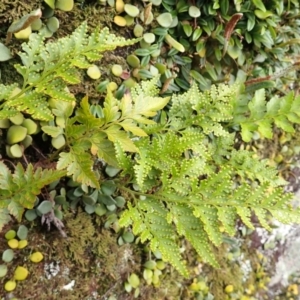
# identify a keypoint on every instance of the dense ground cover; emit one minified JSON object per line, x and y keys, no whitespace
{"x":108,"y":207}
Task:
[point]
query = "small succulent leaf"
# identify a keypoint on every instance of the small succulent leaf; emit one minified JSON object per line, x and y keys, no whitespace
{"x":4,"y":217}
{"x":23,"y":23}
{"x":4,"y":53}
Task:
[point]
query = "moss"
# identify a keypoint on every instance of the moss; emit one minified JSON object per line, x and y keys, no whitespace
{"x":13,"y":10}
{"x":229,"y":273}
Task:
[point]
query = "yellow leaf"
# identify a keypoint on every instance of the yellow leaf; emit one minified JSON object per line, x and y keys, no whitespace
{"x":128,"y":125}
{"x":115,"y":134}
{"x":94,"y":149}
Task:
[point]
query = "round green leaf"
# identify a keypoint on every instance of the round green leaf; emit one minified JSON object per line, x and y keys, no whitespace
{"x":165,"y":19}
{"x":100,"y":210}
{"x":58,"y":214}
{"x":90,"y":209}
{"x":149,"y":37}
{"x":88,"y":200}
{"x":134,"y":62}
{"x":187,"y":28}
{"x":60,"y":200}
{"x":108,"y":187}
{"x":194,"y":11}
{"x":3,"y":270}
{"x":4,"y":53}
{"x":134,"y":280}
{"x":156,"y":2}
{"x":8,"y":255}
{"x":111,"y":207}
{"x":120,"y":201}
{"x":45,"y":207}
{"x":50,"y":3}
{"x":22,"y":232}
{"x":110,"y":170}
{"x":53,"y":24}
{"x":10,"y":234}
{"x":131,"y":10}
{"x":120,"y":241}
{"x":150,"y":264}
{"x":107,"y":200}
{"x":128,"y":237}
{"x":30,"y":215}
{"x":78,"y":192}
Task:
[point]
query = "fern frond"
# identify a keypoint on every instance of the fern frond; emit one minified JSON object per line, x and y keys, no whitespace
{"x":261,"y":115}
{"x":79,"y":165}
{"x":248,"y":167}
{"x":97,"y":135}
{"x":189,"y":226}
{"x":5,"y":217}
{"x":202,"y":185}
{"x":149,"y":219}
{"x":18,"y":190}
{"x":48,"y":68}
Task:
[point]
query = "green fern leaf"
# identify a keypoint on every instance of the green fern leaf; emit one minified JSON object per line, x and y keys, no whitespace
{"x":115,"y":134}
{"x":227,"y":216}
{"x":19,"y":190}
{"x":190,"y":227}
{"x":162,"y":232}
{"x":124,"y":161}
{"x":104,"y":149}
{"x":262,"y":217}
{"x":79,"y":165}
{"x":281,"y":111}
{"x":209,"y":217}
{"x":4,"y":217}
{"x":49,"y":67}
{"x":32,"y":103}
{"x":245,"y":215}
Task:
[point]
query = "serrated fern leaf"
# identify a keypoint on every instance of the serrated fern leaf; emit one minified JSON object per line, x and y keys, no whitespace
{"x":18,"y":190}
{"x":190,"y":227}
{"x":48,"y":68}
{"x":32,"y":103}
{"x":148,"y":219}
{"x":196,"y":184}
{"x":263,"y":114}
{"x":124,"y":161}
{"x":162,"y":232}
{"x":79,"y":165}
{"x":4,"y":217}
{"x":209,"y":217}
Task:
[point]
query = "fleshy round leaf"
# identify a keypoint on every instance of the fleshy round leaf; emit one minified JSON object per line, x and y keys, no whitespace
{"x":194,"y":12}
{"x":8,"y":255}
{"x":4,"y":53}
{"x":3,"y":270}
{"x":30,"y":215}
{"x":128,"y":237}
{"x":22,"y":232}
{"x":45,"y":207}
{"x":36,"y":257}
{"x":165,"y":20}
{"x":134,"y":280}
{"x":21,"y":273}
{"x":11,"y":234}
